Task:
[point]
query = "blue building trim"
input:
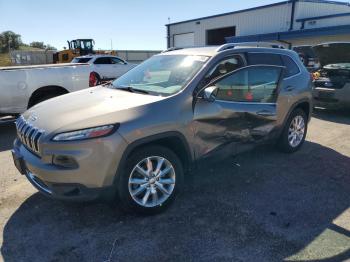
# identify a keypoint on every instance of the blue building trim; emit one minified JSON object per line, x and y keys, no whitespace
{"x":326,"y":2}
{"x":287,"y":35}
{"x":303,"y":20}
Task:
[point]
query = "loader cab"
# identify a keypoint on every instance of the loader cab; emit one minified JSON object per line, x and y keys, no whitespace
{"x":81,"y":46}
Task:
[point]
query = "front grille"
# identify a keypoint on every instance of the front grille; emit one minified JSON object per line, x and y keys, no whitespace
{"x":29,"y":135}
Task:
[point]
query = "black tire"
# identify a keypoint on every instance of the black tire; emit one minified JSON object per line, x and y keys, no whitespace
{"x":283,"y":142}
{"x":127,"y":201}
{"x":43,"y":98}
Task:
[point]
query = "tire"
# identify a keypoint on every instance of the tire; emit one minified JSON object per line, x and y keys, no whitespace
{"x":285,"y":143}
{"x":133,"y":195}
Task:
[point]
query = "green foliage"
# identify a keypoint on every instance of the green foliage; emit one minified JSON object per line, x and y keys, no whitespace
{"x":9,"y":40}
{"x":37,"y":44}
{"x":12,"y":41}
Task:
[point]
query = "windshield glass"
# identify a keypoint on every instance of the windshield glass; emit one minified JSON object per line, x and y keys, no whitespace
{"x":81,"y":60}
{"x":162,"y":74}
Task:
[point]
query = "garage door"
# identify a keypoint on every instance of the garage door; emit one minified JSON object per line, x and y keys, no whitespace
{"x":184,"y":40}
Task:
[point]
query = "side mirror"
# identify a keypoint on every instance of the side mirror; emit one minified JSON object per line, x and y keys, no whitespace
{"x":209,"y":93}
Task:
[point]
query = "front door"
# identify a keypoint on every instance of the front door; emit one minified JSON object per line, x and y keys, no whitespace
{"x":240,"y":112}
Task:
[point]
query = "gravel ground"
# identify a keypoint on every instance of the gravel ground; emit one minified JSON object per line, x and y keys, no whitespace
{"x":258,"y":206}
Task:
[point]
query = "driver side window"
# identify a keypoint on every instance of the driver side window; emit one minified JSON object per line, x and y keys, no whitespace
{"x":251,"y":84}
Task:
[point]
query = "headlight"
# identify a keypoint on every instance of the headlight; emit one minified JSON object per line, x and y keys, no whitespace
{"x":86,"y":133}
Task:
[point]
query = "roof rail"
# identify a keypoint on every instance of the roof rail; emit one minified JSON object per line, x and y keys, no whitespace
{"x":172,"y":49}
{"x":250,"y":44}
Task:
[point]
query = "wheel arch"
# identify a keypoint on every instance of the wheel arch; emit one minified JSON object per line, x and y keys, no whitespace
{"x":304,"y":104}
{"x":175,"y":141}
{"x":41,"y":91}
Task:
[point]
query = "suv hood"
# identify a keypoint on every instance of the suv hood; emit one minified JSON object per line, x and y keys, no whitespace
{"x":91,"y":107}
{"x":332,"y":53}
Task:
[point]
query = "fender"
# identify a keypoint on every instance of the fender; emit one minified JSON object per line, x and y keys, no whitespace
{"x":154,"y":139}
{"x":295,"y":105}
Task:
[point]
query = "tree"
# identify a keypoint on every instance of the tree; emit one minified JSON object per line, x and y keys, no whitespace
{"x":9,"y":40}
{"x":50,"y":47}
{"x":37,"y":44}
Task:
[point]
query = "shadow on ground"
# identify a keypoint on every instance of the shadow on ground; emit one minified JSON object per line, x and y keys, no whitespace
{"x":7,"y":135}
{"x":261,"y":205}
{"x":341,"y":116}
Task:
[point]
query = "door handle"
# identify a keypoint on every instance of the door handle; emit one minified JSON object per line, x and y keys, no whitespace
{"x":265,"y":113}
{"x":290,"y":88}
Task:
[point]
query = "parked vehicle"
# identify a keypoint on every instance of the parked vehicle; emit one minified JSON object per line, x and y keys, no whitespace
{"x":307,"y":56}
{"x":332,"y":80}
{"x":105,"y":67}
{"x":22,"y":87}
{"x":139,"y":135}
{"x":79,"y":47}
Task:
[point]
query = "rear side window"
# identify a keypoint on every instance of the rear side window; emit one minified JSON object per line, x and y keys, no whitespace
{"x":264,"y":59}
{"x":103,"y":61}
{"x":291,"y":67}
{"x":81,"y":60}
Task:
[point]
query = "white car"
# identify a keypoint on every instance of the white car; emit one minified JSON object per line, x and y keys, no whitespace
{"x":22,"y":87}
{"x":105,"y":67}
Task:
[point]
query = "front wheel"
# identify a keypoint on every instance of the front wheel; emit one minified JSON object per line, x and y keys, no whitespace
{"x":152,"y":178}
{"x":294,"y":133}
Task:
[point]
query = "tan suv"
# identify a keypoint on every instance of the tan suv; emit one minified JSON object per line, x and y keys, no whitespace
{"x":137,"y":136}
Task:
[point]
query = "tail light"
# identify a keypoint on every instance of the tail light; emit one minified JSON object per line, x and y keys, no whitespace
{"x":92,"y":79}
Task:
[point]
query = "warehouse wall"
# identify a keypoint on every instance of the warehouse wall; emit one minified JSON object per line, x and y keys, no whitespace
{"x":320,"y":40}
{"x":305,"y":9}
{"x":265,"y":20}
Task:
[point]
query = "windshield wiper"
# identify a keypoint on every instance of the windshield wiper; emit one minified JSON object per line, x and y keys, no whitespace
{"x":131,"y":89}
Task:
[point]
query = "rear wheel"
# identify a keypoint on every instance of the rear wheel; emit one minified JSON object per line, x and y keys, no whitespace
{"x":294,"y":133}
{"x":152,"y":178}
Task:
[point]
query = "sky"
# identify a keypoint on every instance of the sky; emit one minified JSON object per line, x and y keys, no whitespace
{"x":128,"y":24}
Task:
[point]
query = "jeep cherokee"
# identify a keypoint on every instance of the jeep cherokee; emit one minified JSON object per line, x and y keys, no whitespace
{"x":138,"y":135}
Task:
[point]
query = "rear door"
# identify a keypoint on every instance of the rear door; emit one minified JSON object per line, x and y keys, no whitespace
{"x":242,"y":113}
{"x":184,"y":40}
{"x":119,"y":67}
{"x":104,"y":67}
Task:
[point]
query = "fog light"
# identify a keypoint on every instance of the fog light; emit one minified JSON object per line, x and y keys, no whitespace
{"x":64,"y":161}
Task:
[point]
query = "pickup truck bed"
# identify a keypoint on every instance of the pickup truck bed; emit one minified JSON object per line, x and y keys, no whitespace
{"x":24,"y":86}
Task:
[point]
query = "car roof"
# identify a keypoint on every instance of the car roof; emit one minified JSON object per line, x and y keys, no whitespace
{"x":214,"y":50}
{"x":96,"y":56}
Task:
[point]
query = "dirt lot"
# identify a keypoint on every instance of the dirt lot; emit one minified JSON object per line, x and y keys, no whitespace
{"x":258,"y":206}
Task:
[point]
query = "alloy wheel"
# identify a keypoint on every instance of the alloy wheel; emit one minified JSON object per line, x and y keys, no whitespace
{"x":152,"y":181}
{"x":296,"y":131}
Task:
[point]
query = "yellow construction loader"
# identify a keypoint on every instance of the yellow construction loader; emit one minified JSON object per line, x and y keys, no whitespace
{"x":78,"y":47}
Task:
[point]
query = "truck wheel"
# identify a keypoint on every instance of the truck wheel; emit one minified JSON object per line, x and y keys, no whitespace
{"x":294,"y":132}
{"x":152,"y":178}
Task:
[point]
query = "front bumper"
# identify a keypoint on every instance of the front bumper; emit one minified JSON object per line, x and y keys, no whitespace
{"x":97,"y":162}
{"x":332,"y":97}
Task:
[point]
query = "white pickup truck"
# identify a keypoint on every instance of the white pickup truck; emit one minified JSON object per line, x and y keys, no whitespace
{"x":21,"y":87}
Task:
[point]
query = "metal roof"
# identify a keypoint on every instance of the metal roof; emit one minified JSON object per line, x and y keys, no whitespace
{"x":330,"y":30}
{"x":260,"y":7}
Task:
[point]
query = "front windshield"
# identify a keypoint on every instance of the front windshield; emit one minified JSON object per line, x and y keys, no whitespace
{"x":162,"y":74}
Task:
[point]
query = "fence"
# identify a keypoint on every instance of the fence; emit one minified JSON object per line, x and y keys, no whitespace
{"x":31,"y":57}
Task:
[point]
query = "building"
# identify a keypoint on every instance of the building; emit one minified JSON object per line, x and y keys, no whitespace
{"x":293,"y":22}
